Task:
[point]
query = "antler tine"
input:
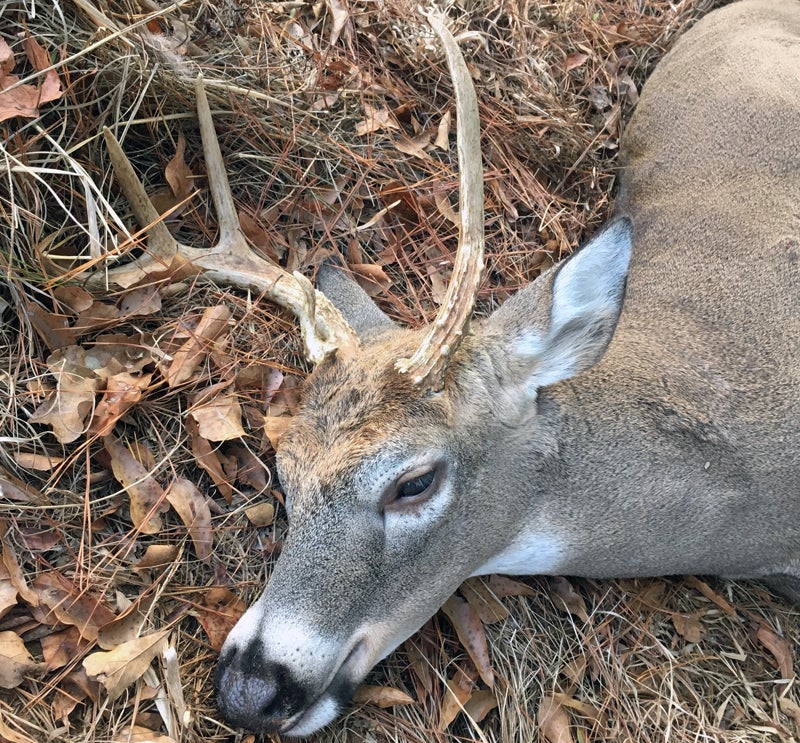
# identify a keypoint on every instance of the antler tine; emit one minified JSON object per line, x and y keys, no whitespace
{"x":161,"y":245}
{"x":428,"y":365}
{"x":231,"y":261}
{"x":229,"y":232}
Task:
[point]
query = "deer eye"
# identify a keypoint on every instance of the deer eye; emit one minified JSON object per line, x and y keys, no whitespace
{"x":413,"y":487}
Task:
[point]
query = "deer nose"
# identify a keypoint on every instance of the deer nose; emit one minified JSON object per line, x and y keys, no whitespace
{"x":253,"y":693}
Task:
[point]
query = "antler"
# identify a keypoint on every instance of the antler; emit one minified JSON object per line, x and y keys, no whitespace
{"x":428,"y":364}
{"x":231,"y":261}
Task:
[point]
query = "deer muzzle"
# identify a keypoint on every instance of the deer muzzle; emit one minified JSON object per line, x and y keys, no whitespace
{"x":277,"y":677}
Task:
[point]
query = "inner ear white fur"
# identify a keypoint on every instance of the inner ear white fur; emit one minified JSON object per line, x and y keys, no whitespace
{"x":591,"y":283}
{"x":587,"y":295}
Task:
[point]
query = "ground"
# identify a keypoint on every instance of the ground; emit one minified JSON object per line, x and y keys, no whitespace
{"x":139,"y":511}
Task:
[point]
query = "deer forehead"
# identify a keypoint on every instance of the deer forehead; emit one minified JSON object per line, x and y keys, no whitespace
{"x":356,"y":415}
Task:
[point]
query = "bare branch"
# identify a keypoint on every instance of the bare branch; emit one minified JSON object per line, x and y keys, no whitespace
{"x":428,"y":365}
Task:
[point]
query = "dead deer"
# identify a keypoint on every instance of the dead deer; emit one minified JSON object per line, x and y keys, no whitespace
{"x":632,"y":412}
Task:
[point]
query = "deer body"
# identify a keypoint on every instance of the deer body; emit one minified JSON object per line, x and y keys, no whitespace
{"x":573,"y":433}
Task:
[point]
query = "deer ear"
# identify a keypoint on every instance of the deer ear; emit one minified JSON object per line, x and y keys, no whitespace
{"x":352,"y":301}
{"x":562,"y":324}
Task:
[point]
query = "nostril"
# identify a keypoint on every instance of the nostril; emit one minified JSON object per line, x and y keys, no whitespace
{"x":249,"y":701}
{"x":254,"y":693}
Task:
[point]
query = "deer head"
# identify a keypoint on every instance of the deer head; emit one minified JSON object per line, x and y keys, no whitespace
{"x":561,"y":434}
{"x":388,"y":467}
{"x":391,"y":490}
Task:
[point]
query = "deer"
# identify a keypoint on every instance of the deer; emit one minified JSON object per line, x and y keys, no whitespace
{"x":632,"y":412}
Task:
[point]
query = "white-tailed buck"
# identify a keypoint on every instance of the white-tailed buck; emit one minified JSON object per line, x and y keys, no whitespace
{"x":633,"y":412}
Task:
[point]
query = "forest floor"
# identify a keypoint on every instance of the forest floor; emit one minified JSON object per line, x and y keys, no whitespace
{"x":139,"y":508}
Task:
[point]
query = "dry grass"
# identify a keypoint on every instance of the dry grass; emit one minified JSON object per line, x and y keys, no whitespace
{"x":289,"y":89}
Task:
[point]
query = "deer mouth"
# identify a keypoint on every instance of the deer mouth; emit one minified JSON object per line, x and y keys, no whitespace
{"x":334,"y":696}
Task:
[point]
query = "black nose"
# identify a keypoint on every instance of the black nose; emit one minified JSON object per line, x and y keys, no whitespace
{"x":253,"y":693}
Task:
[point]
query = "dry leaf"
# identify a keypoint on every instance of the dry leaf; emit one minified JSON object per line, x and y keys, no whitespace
{"x":421,"y":667}
{"x":381,"y":696}
{"x":561,"y":589}
{"x":221,"y":610}
{"x":145,"y":300}
{"x":146,"y":495}
{"x":15,"y":660}
{"x":438,"y":283}
{"x":75,"y":687}
{"x":372,"y":272}
{"x":80,"y":373}
{"x":444,"y":207}
{"x":375,"y":119}
{"x":414,"y":146}
{"x":212,"y":325}
{"x":8,"y":594}
{"x":275,"y":427}
{"x":575,"y":669}
{"x":553,"y":720}
{"x":41,"y":538}
{"x":157,"y":555}
{"x":790,"y":709}
{"x":703,"y":587}
{"x":8,"y":735}
{"x":468,"y":627}
{"x":13,"y":489}
{"x":177,"y":172}
{"x":192,"y":506}
{"x":127,"y":626}
{"x":52,"y":329}
{"x":209,"y":459}
{"x":442,"y":140}
{"x":24,"y":100}
{"x":119,"y":668}
{"x":13,"y":572}
{"x":7,"y":60}
{"x":341,"y":14}
{"x":76,"y":298}
{"x":114,"y":353}
{"x":250,"y":469}
{"x":502,"y":586}
{"x":779,"y":647}
{"x":61,"y":601}
{"x":71,"y":403}
{"x":480,"y":598}
{"x":33,"y":461}
{"x":260,"y":515}
{"x":455,"y":697}
{"x":480,"y":704}
{"x":122,"y":392}
{"x":260,"y":238}
{"x":99,"y":316}
{"x":688,"y":626}
{"x":60,"y":648}
{"x":582,"y":708}
{"x":219,"y":419}
{"x":140,"y":734}
{"x":574,"y":60}
{"x":264,"y":379}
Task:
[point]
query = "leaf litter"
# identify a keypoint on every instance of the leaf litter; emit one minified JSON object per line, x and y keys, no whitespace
{"x":21,"y":99}
{"x":146,"y":415}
